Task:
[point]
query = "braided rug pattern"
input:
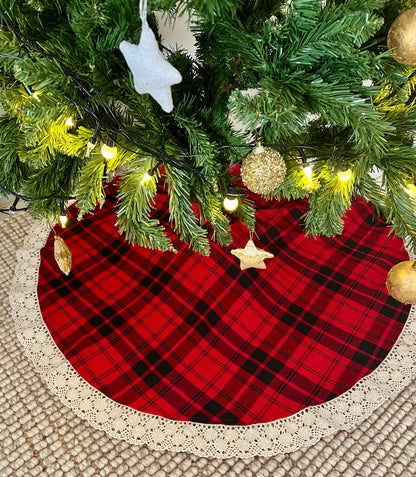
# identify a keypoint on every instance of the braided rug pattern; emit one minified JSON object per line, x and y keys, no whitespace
{"x":40,"y":437}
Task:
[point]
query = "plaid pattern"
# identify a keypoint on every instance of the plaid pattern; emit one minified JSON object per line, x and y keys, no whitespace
{"x":195,"y":338}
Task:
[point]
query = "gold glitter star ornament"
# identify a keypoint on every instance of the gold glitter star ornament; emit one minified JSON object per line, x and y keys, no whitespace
{"x":251,"y":257}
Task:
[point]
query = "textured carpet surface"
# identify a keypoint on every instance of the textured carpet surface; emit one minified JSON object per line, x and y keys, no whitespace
{"x":41,"y":437}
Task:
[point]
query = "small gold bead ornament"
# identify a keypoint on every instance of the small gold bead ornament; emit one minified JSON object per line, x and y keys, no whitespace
{"x":263,"y":170}
{"x":402,"y":37}
{"x":401,"y":282}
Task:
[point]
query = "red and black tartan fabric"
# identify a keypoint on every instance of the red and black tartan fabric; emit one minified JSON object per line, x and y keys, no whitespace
{"x":195,"y":338}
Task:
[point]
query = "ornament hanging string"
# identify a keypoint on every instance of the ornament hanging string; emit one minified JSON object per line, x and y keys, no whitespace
{"x":143,"y":10}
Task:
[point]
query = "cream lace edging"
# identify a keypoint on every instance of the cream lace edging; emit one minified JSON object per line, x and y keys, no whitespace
{"x":209,"y":440}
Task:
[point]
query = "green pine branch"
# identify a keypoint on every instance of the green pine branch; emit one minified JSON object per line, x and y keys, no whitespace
{"x":181,"y":202}
{"x":55,"y":179}
{"x":211,"y":212}
{"x":90,"y":190}
{"x":13,"y":172}
{"x":328,"y":204}
{"x":135,"y":203}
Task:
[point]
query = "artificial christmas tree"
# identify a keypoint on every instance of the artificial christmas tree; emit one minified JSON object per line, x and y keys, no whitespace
{"x":324,"y":91}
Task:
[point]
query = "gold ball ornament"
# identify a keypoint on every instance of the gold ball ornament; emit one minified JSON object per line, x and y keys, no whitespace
{"x":402,"y":37}
{"x":263,"y":170}
{"x":401,"y":282}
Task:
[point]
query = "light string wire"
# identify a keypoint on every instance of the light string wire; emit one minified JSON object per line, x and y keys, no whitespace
{"x":112,"y":123}
{"x":98,"y":102}
{"x":86,"y":89}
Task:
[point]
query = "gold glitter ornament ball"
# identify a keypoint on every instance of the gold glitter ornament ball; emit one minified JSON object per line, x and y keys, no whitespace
{"x":401,"y":282}
{"x":402,"y":37}
{"x":263,"y":170}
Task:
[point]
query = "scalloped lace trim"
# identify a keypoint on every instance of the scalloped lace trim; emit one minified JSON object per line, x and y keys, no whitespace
{"x":209,"y":440}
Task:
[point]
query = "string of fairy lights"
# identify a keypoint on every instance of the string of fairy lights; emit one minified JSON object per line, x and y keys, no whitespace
{"x":106,"y":120}
{"x":97,"y":109}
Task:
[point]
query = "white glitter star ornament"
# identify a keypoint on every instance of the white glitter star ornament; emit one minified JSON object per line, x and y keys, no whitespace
{"x":251,"y":257}
{"x":152,"y":73}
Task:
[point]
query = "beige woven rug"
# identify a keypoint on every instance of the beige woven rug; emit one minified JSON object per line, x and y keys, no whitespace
{"x":40,"y":437}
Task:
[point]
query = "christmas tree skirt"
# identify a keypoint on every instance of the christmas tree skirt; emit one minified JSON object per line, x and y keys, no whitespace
{"x":185,"y":352}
